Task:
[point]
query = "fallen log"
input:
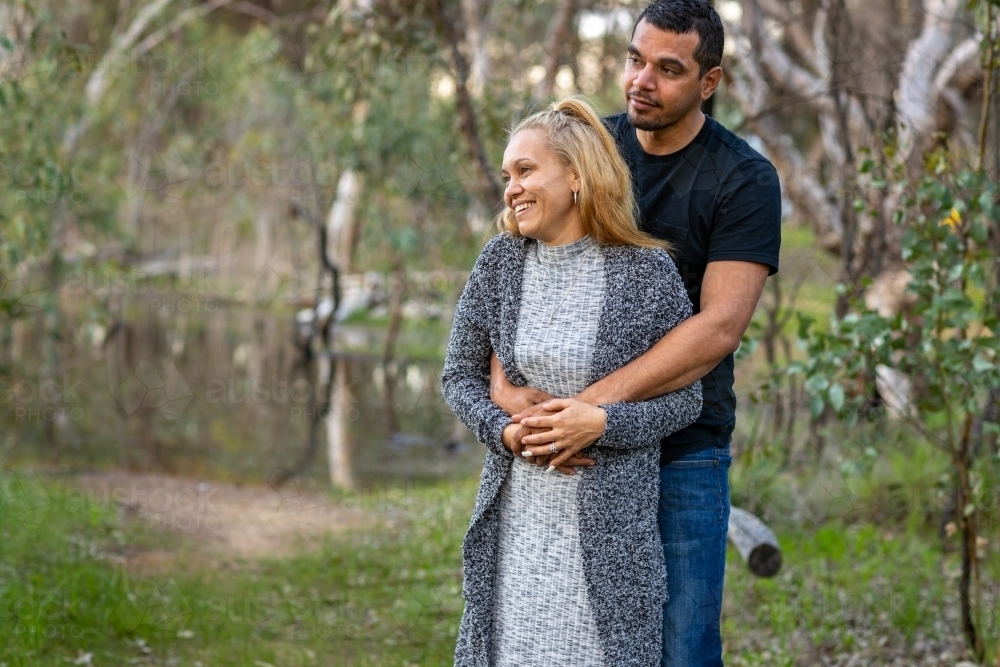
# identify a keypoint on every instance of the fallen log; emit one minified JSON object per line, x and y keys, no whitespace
{"x":756,"y":542}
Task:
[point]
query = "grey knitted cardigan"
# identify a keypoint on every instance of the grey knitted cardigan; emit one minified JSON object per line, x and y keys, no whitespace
{"x":618,"y":497}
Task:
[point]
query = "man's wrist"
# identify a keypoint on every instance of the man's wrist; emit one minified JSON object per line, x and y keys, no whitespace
{"x":594,"y":395}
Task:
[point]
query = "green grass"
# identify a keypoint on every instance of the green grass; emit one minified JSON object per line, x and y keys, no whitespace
{"x":390,"y":594}
{"x":387,"y":596}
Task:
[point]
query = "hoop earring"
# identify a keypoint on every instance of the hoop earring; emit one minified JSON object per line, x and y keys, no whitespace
{"x":574,"y":197}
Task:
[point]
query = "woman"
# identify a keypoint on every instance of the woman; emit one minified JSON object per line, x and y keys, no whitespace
{"x":565,"y":569}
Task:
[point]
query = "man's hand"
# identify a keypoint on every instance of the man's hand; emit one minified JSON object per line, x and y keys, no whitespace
{"x":509,"y":398}
{"x":572,"y":425}
{"x":512,"y":440}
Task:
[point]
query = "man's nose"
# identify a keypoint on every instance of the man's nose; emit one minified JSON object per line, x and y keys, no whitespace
{"x":644,"y":78}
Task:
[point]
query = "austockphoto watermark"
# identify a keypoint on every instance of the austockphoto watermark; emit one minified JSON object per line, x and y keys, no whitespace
{"x":34,"y":184}
{"x":985,"y":500}
{"x":300,"y":393}
{"x":187,"y":507}
{"x":194,"y":498}
{"x":186,"y":72}
{"x":301,"y":177}
{"x":45,"y":616}
{"x":184,"y":87}
{"x":195,"y":283}
{"x":45,"y":400}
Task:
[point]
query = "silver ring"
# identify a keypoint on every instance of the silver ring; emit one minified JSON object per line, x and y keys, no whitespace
{"x":553,"y":448}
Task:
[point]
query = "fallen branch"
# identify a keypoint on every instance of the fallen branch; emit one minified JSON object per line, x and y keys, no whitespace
{"x":756,"y":543}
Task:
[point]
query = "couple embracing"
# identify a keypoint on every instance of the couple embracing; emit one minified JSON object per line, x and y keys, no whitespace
{"x":591,"y":353}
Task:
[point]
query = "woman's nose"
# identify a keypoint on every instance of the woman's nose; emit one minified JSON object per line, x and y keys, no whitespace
{"x":513,"y":188}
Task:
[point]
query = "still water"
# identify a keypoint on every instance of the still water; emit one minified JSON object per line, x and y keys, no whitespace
{"x":223,"y":393}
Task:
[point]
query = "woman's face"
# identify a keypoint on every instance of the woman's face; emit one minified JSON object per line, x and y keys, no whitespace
{"x":540,"y":190}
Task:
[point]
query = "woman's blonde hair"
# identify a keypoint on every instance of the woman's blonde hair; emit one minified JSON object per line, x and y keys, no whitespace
{"x":576,"y":135}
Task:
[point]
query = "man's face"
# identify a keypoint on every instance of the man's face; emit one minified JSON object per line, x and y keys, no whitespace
{"x":661,"y":78}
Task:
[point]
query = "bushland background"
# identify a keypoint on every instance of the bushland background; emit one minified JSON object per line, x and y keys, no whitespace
{"x":232,"y":234}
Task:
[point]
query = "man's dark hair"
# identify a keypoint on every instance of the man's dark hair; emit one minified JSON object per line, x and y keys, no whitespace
{"x":684,"y":16}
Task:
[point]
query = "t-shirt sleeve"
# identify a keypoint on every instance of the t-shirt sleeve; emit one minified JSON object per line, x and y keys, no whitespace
{"x":747,"y":222}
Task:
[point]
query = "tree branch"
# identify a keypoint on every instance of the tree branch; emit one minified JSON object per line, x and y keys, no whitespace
{"x":556,"y":37}
{"x":250,"y":9}
{"x":797,"y":179}
{"x":915,"y":102}
{"x":466,"y":113}
{"x":174,"y":26}
{"x":475,"y":15}
{"x":800,"y":38}
{"x":97,"y":84}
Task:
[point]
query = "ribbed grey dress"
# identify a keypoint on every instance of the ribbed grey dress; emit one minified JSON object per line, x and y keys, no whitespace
{"x":542,"y":614}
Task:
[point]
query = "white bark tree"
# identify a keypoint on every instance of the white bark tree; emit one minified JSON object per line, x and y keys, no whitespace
{"x":859,"y":72}
{"x":127,"y":45}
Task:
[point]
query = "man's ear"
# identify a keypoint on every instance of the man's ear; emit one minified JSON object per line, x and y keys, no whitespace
{"x":710,"y":82}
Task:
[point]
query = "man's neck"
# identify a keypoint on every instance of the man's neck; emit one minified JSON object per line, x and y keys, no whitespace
{"x":674,"y":138}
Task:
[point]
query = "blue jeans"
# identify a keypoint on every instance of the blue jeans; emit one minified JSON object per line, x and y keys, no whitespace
{"x":694,"y":519}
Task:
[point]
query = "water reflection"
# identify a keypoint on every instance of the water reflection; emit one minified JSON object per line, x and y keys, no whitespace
{"x":224,"y":395}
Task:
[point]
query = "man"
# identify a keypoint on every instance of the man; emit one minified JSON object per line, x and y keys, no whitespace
{"x":718,"y":202}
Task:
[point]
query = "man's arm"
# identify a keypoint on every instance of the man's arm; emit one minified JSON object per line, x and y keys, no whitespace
{"x":510,"y":398}
{"x":729,"y":294}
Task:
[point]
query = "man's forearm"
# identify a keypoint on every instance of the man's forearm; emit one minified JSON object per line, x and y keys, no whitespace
{"x":687,"y":353}
{"x":729,"y":293}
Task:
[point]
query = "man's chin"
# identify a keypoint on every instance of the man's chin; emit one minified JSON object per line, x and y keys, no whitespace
{"x":648,"y":124}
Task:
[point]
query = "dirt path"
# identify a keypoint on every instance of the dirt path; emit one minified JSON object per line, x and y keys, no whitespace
{"x":219,"y":519}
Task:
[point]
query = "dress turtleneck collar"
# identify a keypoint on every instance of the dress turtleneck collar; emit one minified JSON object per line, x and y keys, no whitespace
{"x":559,"y":254}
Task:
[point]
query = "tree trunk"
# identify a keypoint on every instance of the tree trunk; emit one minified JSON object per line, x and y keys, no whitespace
{"x":340,"y":223}
{"x":970,"y":601}
{"x":475,"y":15}
{"x":448,"y":27}
{"x":337,"y":433}
{"x":397,"y":298}
{"x":556,"y":38}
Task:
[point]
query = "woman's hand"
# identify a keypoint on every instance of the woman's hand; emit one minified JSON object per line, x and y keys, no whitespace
{"x":512,"y":438}
{"x":569,"y":424}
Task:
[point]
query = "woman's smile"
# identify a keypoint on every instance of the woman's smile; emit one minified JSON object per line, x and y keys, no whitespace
{"x":539,"y":189}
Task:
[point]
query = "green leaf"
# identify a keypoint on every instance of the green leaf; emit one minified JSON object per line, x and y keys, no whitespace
{"x":817,"y":383}
{"x":836,"y":395}
{"x":981,"y":364}
{"x":816,"y":406}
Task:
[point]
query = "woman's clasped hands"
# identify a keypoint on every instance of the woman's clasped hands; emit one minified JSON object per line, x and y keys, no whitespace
{"x":554,"y":432}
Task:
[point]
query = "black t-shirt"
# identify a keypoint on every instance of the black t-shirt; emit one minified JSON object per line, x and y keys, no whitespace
{"x":715,"y":199}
